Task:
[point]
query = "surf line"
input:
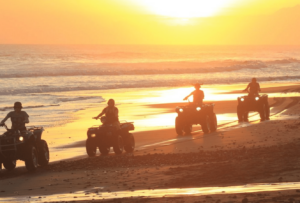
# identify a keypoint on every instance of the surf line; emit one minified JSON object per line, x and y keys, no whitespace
{"x":96,"y":194}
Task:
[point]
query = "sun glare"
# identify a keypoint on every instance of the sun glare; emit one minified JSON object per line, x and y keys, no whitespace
{"x":185,"y":8}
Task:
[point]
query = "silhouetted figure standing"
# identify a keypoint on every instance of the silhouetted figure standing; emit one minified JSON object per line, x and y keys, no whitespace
{"x":198,"y":95}
{"x":253,"y":88}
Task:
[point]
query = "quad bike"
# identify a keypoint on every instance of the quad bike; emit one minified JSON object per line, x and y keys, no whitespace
{"x":194,"y":114}
{"x":258,"y":103}
{"x":24,"y":145}
{"x":106,"y":136}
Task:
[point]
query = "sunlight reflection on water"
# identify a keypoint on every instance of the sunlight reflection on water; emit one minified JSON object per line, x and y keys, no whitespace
{"x":211,"y":94}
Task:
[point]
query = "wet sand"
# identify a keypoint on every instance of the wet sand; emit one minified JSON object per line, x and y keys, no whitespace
{"x":237,"y":154}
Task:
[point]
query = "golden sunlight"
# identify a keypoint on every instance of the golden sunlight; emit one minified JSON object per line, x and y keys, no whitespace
{"x":185,"y":8}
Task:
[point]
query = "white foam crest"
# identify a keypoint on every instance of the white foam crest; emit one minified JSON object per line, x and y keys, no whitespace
{"x":157,"y":68}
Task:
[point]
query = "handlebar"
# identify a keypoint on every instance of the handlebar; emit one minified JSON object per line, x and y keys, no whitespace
{"x":4,"y":125}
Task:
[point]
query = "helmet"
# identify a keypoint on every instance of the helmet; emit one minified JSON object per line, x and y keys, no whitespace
{"x":254,"y":79}
{"x":18,"y":105}
{"x":111,"y":100}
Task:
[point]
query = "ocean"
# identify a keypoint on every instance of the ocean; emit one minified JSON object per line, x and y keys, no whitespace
{"x":53,"y":81}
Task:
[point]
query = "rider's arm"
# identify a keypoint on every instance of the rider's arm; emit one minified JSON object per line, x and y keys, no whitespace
{"x":7,"y":117}
{"x":247,"y":87}
{"x":185,"y":98}
{"x":26,"y":119}
{"x":103,"y":112}
{"x":116,"y":112}
{"x":259,"y":88}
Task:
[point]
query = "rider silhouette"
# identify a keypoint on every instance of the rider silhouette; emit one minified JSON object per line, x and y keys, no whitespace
{"x":111,"y":113}
{"x":253,"y":88}
{"x":198,"y":95}
{"x":18,"y":117}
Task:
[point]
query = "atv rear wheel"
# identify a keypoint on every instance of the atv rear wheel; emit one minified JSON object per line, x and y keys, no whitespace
{"x":205,"y":125}
{"x":240,"y":113}
{"x":91,"y":147}
{"x":118,"y":144}
{"x":178,"y":126}
{"x":44,"y":155}
{"x":267,"y":110}
{"x":213,"y":122}
{"x":9,"y":164}
{"x":31,"y":161}
{"x":129,"y":143}
{"x":262,"y":113}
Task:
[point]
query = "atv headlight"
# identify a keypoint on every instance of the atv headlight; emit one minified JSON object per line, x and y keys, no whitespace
{"x":198,"y":108}
{"x":242,"y":99}
{"x":256,"y":98}
{"x":180,"y":110}
{"x":93,"y":135}
{"x":21,"y":138}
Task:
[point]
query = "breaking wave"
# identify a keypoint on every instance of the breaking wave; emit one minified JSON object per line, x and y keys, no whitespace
{"x":28,"y":107}
{"x":155,"y":68}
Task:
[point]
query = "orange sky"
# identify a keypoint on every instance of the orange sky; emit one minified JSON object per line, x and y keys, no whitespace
{"x":220,"y":22}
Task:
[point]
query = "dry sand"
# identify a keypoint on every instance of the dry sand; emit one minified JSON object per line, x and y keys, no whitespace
{"x":237,"y":154}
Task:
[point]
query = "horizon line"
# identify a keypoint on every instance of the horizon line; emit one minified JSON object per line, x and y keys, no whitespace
{"x":153,"y":44}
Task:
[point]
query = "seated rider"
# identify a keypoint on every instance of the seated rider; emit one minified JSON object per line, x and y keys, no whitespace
{"x":198,"y":95}
{"x":253,"y":88}
{"x":18,"y":118}
{"x":111,"y":113}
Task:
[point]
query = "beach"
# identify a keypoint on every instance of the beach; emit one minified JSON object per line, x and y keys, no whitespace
{"x":236,"y":155}
{"x":230,"y":68}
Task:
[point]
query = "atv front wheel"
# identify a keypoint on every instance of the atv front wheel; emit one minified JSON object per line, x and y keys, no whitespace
{"x":9,"y":164}
{"x":118,"y":144}
{"x":130,"y":143}
{"x":178,"y":126}
{"x":31,"y":161}
{"x":91,"y":147}
{"x":44,"y":155}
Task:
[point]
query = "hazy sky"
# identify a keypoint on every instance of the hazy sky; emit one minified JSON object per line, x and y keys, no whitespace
{"x":218,"y":22}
